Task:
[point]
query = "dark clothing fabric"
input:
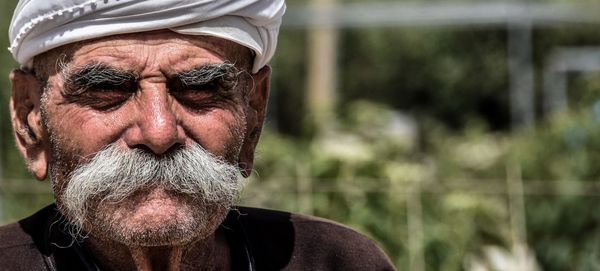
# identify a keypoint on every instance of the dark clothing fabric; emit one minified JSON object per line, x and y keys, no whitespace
{"x":258,"y":239}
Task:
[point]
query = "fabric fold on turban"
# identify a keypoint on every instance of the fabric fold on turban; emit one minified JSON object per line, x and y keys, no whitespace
{"x":40,"y":25}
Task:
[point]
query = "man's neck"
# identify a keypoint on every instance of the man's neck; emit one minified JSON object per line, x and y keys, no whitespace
{"x":210,"y":253}
{"x":157,"y":258}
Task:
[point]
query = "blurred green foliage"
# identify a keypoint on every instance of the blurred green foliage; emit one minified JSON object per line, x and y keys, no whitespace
{"x":423,"y":118}
{"x":363,"y":175}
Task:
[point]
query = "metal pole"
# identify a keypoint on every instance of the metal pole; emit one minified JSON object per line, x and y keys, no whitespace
{"x":522,"y":106}
{"x":555,"y":91}
{"x":415,"y":228}
{"x":304,"y":188}
{"x":518,"y":224}
{"x":322,"y":74}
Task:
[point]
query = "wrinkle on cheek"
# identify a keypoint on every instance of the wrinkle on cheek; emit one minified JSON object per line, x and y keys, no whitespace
{"x":219,"y":132}
{"x":65,"y":136}
{"x":70,"y":119}
{"x":82,"y":129}
{"x":117,"y":123}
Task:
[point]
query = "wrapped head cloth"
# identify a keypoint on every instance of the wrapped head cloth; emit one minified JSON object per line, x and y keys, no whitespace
{"x":40,"y":25}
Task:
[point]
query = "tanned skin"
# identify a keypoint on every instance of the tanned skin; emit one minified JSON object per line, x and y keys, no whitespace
{"x":150,"y":111}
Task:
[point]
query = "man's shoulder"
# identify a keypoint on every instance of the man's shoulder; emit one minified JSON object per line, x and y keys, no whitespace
{"x":12,"y":235}
{"x":26,"y":231}
{"x":20,"y":243}
{"x":305,"y":228}
{"x":301,"y":240}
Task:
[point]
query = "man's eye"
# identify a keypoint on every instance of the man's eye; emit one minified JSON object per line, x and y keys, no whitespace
{"x":111,"y":87}
{"x":105,"y":87}
{"x":208,"y":87}
{"x":106,"y":96}
{"x":107,"y":101}
{"x":101,"y":97}
{"x":196,"y":92}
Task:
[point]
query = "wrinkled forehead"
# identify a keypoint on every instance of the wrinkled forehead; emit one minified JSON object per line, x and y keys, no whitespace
{"x":122,"y":50}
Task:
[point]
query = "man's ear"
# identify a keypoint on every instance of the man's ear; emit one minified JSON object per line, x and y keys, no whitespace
{"x":27,"y":122}
{"x":257,"y":101}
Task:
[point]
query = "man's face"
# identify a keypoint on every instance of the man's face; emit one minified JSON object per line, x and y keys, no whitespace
{"x":156,"y":93}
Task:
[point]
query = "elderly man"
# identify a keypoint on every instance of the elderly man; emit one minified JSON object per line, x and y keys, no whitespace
{"x":142,"y":113}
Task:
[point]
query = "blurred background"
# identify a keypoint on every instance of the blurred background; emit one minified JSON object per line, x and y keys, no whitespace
{"x":460,"y":135}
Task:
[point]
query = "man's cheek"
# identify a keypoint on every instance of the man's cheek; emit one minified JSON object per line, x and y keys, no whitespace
{"x":83,"y":134}
{"x":64,"y":158}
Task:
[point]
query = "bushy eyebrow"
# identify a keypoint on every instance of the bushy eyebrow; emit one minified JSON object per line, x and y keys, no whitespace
{"x":226,"y":74}
{"x":100,"y":76}
{"x":94,"y":75}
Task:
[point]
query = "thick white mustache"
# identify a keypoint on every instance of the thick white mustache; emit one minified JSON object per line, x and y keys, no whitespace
{"x":113,"y":175}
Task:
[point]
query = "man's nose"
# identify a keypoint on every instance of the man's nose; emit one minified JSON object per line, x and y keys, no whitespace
{"x":156,"y":126}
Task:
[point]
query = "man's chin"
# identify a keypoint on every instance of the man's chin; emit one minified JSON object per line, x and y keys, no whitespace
{"x":156,"y":218}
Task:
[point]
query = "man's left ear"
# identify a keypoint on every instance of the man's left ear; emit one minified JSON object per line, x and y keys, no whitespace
{"x":257,"y":102}
{"x":26,"y":119}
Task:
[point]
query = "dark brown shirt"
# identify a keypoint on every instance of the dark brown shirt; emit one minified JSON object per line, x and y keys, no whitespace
{"x":259,"y":240}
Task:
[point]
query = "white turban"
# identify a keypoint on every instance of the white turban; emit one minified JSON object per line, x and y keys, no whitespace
{"x":40,"y":25}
